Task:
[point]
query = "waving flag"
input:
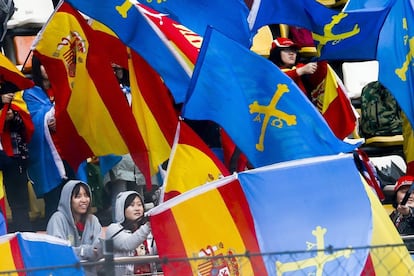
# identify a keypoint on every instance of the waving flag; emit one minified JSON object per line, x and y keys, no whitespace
{"x":349,"y":226}
{"x":351,"y":35}
{"x":266,"y":115}
{"x":11,"y":79}
{"x":397,"y":74}
{"x":229,"y":231}
{"x":98,"y":122}
{"x":186,"y":42}
{"x":229,"y":17}
{"x":19,"y":105}
{"x":189,"y":148}
{"x":151,"y":101}
{"x":46,"y":169}
{"x":134,"y":29}
{"x":34,"y":251}
{"x":328,"y":95}
{"x":153,"y":109}
{"x":363,"y":4}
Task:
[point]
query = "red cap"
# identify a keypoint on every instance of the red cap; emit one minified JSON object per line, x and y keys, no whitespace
{"x":403,"y":181}
{"x":282,"y":42}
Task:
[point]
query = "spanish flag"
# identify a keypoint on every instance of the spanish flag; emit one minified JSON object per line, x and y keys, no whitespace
{"x":92,"y":115}
{"x":11,"y":79}
{"x":192,"y":163}
{"x":151,"y":102}
{"x":328,"y":95}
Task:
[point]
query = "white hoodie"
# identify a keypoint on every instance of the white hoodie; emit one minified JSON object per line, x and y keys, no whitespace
{"x":125,"y":241}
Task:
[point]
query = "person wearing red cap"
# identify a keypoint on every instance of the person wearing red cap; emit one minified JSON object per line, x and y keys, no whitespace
{"x":403,"y":215}
{"x":284,"y":53}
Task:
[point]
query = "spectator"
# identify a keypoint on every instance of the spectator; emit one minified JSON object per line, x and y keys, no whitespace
{"x":74,"y":222}
{"x":47,"y":181}
{"x":14,"y":165}
{"x":403,"y":216}
{"x":130,"y":231}
{"x":284,"y":53}
{"x":124,"y":176}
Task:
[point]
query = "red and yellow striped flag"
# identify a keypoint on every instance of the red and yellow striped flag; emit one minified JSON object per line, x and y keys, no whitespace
{"x":205,"y":167}
{"x":92,"y":115}
{"x":11,"y":79}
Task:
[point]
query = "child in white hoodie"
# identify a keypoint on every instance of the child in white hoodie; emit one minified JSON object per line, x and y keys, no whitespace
{"x":130,"y":230}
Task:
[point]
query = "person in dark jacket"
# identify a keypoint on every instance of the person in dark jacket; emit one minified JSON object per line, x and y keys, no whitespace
{"x":403,"y":215}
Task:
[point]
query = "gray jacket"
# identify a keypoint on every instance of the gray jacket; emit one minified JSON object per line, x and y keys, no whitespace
{"x":62,"y":225}
{"x":125,"y":241}
{"x":125,"y":170}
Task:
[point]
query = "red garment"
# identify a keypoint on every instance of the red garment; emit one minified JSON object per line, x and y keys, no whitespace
{"x":291,"y":72}
{"x":142,"y":268}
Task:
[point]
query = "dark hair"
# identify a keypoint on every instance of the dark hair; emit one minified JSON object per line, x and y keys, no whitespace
{"x":275,"y":57}
{"x":128,"y":201}
{"x":36,"y":72}
{"x":76,"y":191}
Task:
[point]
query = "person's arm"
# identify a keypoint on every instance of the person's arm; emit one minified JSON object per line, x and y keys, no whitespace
{"x":90,"y":249}
{"x":127,"y":241}
{"x":307,"y":69}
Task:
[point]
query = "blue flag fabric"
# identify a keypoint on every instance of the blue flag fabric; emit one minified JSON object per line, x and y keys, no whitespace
{"x":395,"y":52}
{"x":124,"y":19}
{"x":334,"y":208}
{"x":46,"y":169}
{"x":295,"y":13}
{"x":261,"y":108}
{"x":337,"y":35}
{"x":366,"y":4}
{"x":228,"y":17}
{"x":41,"y":250}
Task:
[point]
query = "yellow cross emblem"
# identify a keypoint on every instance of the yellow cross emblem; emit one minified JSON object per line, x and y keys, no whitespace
{"x":124,"y":7}
{"x":319,"y":260}
{"x":328,"y":35}
{"x":270,"y":111}
{"x":402,"y":71}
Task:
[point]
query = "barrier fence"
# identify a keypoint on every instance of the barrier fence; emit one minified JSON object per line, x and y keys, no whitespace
{"x":402,"y":260}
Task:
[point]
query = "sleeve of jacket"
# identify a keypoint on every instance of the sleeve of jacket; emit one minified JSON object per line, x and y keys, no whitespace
{"x":125,"y":240}
{"x":93,"y":250}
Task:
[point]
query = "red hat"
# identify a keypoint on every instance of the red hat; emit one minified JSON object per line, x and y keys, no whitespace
{"x":282,"y":42}
{"x":403,"y":181}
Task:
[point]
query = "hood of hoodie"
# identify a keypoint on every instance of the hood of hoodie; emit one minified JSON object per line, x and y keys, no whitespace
{"x":65,"y":199}
{"x":120,"y":205}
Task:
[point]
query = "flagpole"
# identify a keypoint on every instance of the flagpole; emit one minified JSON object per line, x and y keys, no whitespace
{"x":40,"y":33}
{"x":163,"y":38}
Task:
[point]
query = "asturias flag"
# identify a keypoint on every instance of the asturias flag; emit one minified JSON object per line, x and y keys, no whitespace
{"x":350,"y":35}
{"x":309,"y":216}
{"x":397,"y":41}
{"x":260,"y":107}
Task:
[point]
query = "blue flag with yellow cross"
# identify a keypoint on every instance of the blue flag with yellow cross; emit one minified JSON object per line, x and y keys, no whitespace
{"x":264,"y":112}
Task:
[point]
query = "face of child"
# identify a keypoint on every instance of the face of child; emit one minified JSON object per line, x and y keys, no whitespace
{"x":401,"y":193}
{"x":80,"y":202}
{"x":135,"y":210}
{"x":288,"y":56}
